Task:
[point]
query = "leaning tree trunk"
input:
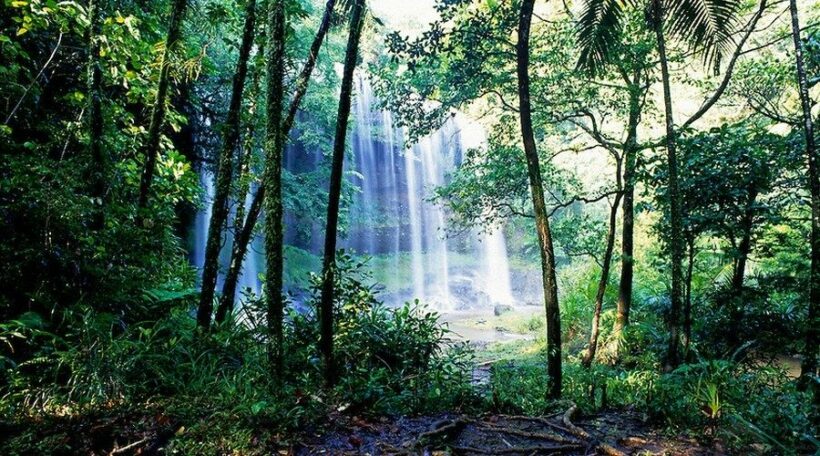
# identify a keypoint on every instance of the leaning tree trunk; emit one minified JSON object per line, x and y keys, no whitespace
{"x":158,"y":111}
{"x":628,"y":223}
{"x":99,"y":158}
{"x":334,"y":194}
{"x":243,"y":167}
{"x":272,"y":178}
{"x":539,"y":205}
{"x":809,"y":367}
{"x":224,"y":172}
{"x":244,"y":235}
{"x":602,"y":283}
{"x":675,"y":218}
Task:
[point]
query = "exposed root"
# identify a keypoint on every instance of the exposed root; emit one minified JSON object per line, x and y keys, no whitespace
{"x":530,"y":435}
{"x":442,"y":431}
{"x":604,"y":448}
{"x":534,"y":449}
{"x":128,"y":447}
{"x":526,"y":435}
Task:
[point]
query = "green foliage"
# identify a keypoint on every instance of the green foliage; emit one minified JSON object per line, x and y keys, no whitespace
{"x":393,"y":359}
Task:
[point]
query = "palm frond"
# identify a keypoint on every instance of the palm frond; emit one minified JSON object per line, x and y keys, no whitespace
{"x":707,"y":25}
{"x":598,"y":30}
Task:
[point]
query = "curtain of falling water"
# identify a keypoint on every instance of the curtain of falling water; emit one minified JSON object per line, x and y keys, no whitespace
{"x":391,"y":216}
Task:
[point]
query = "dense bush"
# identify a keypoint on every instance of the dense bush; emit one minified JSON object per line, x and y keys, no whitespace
{"x":392,"y":361}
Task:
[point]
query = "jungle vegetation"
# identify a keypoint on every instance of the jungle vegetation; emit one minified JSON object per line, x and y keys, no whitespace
{"x":654,"y":162}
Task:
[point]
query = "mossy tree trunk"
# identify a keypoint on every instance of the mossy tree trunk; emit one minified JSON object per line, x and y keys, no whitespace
{"x":335,"y":191}
{"x":224,"y":171}
{"x":244,"y":235}
{"x":272,"y":179}
{"x":628,"y":210}
{"x":159,"y":109}
{"x":539,"y":204}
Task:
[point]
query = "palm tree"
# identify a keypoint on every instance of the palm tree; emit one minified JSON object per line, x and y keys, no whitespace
{"x":542,"y":225}
{"x":334,"y":195}
{"x":707,"y":26}
{"x":809,"y":367}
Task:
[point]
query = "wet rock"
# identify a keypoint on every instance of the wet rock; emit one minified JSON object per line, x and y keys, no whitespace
{"x":501,"y":309}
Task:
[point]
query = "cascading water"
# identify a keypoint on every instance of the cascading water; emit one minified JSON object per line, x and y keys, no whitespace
{"x":391,"y":218}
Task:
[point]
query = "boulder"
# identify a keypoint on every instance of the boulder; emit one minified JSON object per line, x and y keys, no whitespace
{"x":501,"y":309}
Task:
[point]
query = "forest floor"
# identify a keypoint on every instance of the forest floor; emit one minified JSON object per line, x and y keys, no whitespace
{"x":610,"y":433}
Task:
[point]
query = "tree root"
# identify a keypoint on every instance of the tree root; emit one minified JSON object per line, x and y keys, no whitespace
{"x":604,"y":448}
{"x":535,"y":442}
{"x":531,"y":435}
{"x":131,"y":446}
{"x":534,"y":449}
{"x":442,"y":430}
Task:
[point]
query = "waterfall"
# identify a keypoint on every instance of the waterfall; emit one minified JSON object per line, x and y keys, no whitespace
{"x":391,"y":217}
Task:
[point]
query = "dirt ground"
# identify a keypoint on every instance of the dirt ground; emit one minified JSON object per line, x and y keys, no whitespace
{"x":614,"y":433}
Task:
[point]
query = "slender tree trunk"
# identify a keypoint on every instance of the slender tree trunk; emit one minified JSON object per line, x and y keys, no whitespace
{"x":272,"y":178}
{"x":809,"y":367}
{"x":243,"y":236}
{"x":628,"y":223}
{"x":687,"y":300}
{"x":244,"y":173}
{"x":334,"y":194}
{"x":224,"y":172}
{"x":99,"y":158}
{"x":539,"y":204}
{"x":744,"y":249}
{"x":158,"y":111}
{"x":675,"y":218}
{"x":602,"y":283}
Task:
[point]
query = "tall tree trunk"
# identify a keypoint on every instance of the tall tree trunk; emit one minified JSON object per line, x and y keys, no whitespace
{"x":224,"y":172}
{"x":158,"y":111}
{"x":272,"y":178}
{"x":334,"y":194}
{"x":243,"y":166}
{"x":99,"y":158}
{"x":602,"y":283}
{"x":243,"y":236}
{"x":539,"y":205}
{"x":809,"y":367}
{"x":628,"y":224}
{"x":687,"y":300}
{"x":675,"y":218}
